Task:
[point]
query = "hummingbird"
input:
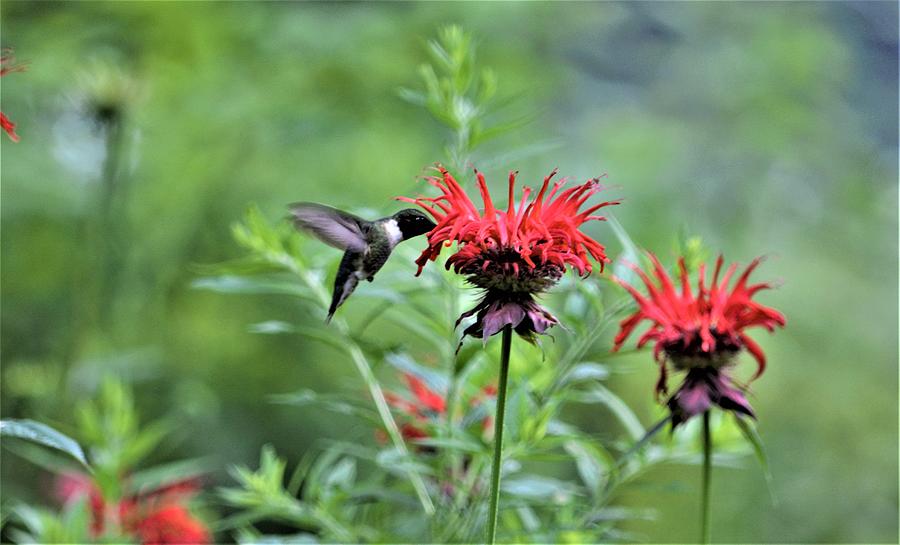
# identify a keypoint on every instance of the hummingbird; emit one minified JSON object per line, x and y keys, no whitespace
{"x":367,"y":244}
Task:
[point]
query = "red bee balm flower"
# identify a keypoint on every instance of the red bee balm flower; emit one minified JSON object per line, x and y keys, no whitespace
{"x":700,"y":333}
{"x":512,"y":254}
{"x":155,"y":517}
{"x":7,"y":66}
{"x":429,"y":406}
{"x":170,"y":524}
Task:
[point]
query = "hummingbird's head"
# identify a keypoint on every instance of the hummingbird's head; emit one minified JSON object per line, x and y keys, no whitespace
{"x":413,"y":223}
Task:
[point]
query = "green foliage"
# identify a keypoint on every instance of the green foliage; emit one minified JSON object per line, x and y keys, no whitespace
{"x":326,"y":508}
{"x":692,"y":249}
{"x":111,"y":426}
{"x":117,"y":444}
{"x":45,"y":526}
{"x":459,"y":95}
{"x":278,"y":249}
{"x":42,"y":434}
{"x":454,"y":456}
{"x":751,"y":434}
{"x":732,"y":121}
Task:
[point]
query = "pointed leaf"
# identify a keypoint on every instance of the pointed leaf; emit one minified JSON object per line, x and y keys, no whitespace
{"x":752,"y":435}
{"x":42,"y":434}
{"x":644,"y":440}
{"x":539,"y":488}
{"x":600,"y":394}
{"x":586,"y":372}
{"x":593,"y":465}
{"x":271,"y":327}
{"x":250,"y":285}
{"x":159,"y":476}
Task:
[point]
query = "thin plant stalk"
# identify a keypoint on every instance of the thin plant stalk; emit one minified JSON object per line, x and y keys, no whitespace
{"x":375,"y":390}
{"x":707,"y":479}
{"x":93,"y":303}
{"x":498,"y":434}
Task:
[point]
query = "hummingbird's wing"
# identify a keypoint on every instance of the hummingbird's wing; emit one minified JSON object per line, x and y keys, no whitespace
{"x":330,"y":225}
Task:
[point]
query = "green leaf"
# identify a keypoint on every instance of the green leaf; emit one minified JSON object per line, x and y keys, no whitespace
{"x":451,"y":444}
{"x":144,"y":442}
{"x":341,"y":475}
{"x":247,"y":536}
{"x":417,"y":326}
{"x":335,"y":403}
{"x":51,"y":460}
{"x":519,"y":413}
{"x":644,"y":440}
{"x":621,"y":513}
{"x":271,"y":327}
{"x":399,"y":464}
{"x":601,"y":394}
{"x":413,"y":97}
{"x":156,"y":477}
{"x":594,"y":465}
{"x":630,"y":251}
{"x":586,"y":372}
{"x":752,"y":435}
{"x":530,"y":520}
{"x":76,"y":518}
{"x":42,"y":434}
{"x":536,"y":487}
{"x":252,"y":285}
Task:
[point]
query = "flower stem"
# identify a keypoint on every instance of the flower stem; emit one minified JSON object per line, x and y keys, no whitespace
{"x":375,"y":390}
{"x":498,"y":434}
{"x":707,"y":478}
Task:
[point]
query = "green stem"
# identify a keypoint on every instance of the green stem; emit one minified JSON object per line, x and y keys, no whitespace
{"x":498,"y":434}
{"x":109,"y":220}
{"x":707,"y":478}
{"x":375,"y":390}
{"x":94,"y":287}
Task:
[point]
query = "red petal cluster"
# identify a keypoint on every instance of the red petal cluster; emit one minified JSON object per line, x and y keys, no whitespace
{"x":426,"y":399}
{"x":428,"y":405}
{"x":170,"y":524}
{"x":7,"y":66}
{"x":704,"y":325}
{"x":540,"y":233}
{"x":158,"y":517}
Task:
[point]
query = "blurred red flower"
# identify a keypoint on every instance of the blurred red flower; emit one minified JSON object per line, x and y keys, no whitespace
{"x":156,"y":517}
{"x":700,"y":333}
{"x":429,"y":406}
{"x":170,"y":524}
{"x":6,"y":66}
{"x":512,"y":254}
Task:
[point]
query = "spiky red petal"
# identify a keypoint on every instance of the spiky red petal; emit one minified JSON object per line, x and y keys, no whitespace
{"x":707,"y":325}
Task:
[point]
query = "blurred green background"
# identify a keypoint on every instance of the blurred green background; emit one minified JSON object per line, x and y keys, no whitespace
{"x":764,"y":128}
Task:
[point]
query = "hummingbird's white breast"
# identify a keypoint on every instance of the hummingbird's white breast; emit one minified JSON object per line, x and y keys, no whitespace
{"x":394,"y":234}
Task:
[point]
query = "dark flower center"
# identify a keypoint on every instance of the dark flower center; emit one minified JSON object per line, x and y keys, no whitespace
{"x":505,"y":270}
{"x":693,"y":351}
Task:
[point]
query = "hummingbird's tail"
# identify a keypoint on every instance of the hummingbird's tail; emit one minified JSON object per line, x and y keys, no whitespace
{"x":344,"y":284}
{"x":336,"y":301}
